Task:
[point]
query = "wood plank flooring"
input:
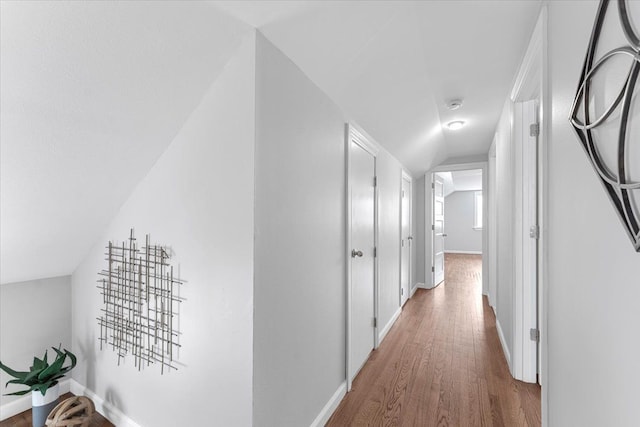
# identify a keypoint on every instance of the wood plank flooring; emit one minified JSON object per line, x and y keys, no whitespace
{"x":24,"y":419}
{"x":441,"y":364}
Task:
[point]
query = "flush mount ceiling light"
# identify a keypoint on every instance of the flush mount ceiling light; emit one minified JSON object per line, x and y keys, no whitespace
{"x":455,"y":125}
{"x":454,"y":104}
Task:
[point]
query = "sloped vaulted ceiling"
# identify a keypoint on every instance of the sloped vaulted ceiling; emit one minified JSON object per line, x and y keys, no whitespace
{"x":393,"y":65}
{"x":92,"y":94}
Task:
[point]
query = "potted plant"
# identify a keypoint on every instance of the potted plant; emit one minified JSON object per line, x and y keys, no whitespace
{"x":42,"y":380}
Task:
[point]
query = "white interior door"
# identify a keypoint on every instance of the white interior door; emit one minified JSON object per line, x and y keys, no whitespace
{"x":405,"y":241}
{"x":362,"y":183}
{"x":526,"y":241}
{"x":438,"y":230}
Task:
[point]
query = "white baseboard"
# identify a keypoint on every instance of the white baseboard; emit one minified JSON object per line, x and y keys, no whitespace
{"x":447,"y":251}
{"x":331,"y":406}
{"x":383,"y":333}
{"x":23,"y":403}
{"x":505,"y":349}
{"x":105,"y":408}
{"x":422,"y":286}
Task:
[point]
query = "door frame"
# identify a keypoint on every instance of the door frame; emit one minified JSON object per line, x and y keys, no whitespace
{"x":531,"y":83}
{"x":428,"y":234}
{"x":434,"y":282}
{"x":407,"y":177}
{"x":352,"y":133}
{"x":492,"y":212}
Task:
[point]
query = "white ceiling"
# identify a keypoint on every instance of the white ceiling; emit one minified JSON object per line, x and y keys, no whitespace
{"x":93,"y":92}
{"x":393,"y":65}
{"x":464,"y":180}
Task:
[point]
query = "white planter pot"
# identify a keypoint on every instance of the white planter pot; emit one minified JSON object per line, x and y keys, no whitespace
{"x":42,"y":405}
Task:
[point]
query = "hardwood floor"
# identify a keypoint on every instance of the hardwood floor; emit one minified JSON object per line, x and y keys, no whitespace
{"x":441,"y":364}
{"x":24,"y":419}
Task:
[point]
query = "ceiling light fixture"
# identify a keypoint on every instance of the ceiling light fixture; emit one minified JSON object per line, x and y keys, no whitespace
{"x":454,"y":104}
{"x":455,"y":125}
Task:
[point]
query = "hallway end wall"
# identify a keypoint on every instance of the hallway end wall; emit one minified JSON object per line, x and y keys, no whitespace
{"x":462,"y":236}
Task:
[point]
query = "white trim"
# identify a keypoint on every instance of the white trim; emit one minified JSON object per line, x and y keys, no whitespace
{"x":363,"y":141}
{"x":529,"y":65}
{"x":505,"y":349}
{"x":347,"y":253}
{"x":106,"y":409}
{"x":452,"y":251}
{"x":387,"y":327}
{"x":458,"y":167}
{"x":529,"y":303}
{"x":331,"y":406}
{"x":543,"y":204}
{"x":406,"y":177}
{"x":428,"y":213}
{"x":24,"y":403}
{"x":370,"y":146}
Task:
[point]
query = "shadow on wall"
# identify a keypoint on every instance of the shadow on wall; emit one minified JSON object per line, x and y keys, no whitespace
{"x":88,"y":357}
{"x":113,"y":403}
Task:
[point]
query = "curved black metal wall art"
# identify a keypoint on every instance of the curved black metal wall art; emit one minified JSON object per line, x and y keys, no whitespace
{"x":623,"y":189}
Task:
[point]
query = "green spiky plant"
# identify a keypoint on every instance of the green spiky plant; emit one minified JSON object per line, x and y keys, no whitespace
{"x":41,"y":375}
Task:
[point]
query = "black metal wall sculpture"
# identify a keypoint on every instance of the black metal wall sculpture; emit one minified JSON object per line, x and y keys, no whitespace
{"x":616,"y":171}
{"x":141,"y":301}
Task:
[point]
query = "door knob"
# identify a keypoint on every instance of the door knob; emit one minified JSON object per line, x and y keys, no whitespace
{"x":410,"y":238}
{"x":355,"y":253}
{"x":444,"y":235}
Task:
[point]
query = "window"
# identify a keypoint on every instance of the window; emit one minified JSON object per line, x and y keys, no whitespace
{"x":477,"y":223}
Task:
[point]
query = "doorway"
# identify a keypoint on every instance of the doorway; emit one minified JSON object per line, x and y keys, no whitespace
{"x":458,"y":215}
{"x":362,"y":230}
{"x":406,"y":239}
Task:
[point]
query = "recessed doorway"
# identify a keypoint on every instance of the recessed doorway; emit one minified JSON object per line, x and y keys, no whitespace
{"x":457,"y":218}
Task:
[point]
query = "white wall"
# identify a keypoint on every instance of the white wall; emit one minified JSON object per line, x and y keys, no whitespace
{"x":389,"y":172}
{"x":300,"y":288}
{"x":594,"y":272}
{"x":34,"y":316}
{"x":492,"y":236}
{"x":504,"y":229}
{"x":418,"y":233}
{"x":459,"y":208}
{"x":198,"y":198}
{"x":300,"y":298}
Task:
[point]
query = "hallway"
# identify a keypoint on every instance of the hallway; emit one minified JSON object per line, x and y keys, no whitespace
{"x":441,"y":364}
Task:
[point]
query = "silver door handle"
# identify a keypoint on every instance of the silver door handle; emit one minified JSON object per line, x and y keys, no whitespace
{"x":355,"y":253}
{"x":444,"y":235}
{"x":410,"y":238}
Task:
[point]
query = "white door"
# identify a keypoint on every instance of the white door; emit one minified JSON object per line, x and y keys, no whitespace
{"x":526,"y":240}
{"x":438,"y":230}
{"x":405,"y":241}
{"x":362,"y":182}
